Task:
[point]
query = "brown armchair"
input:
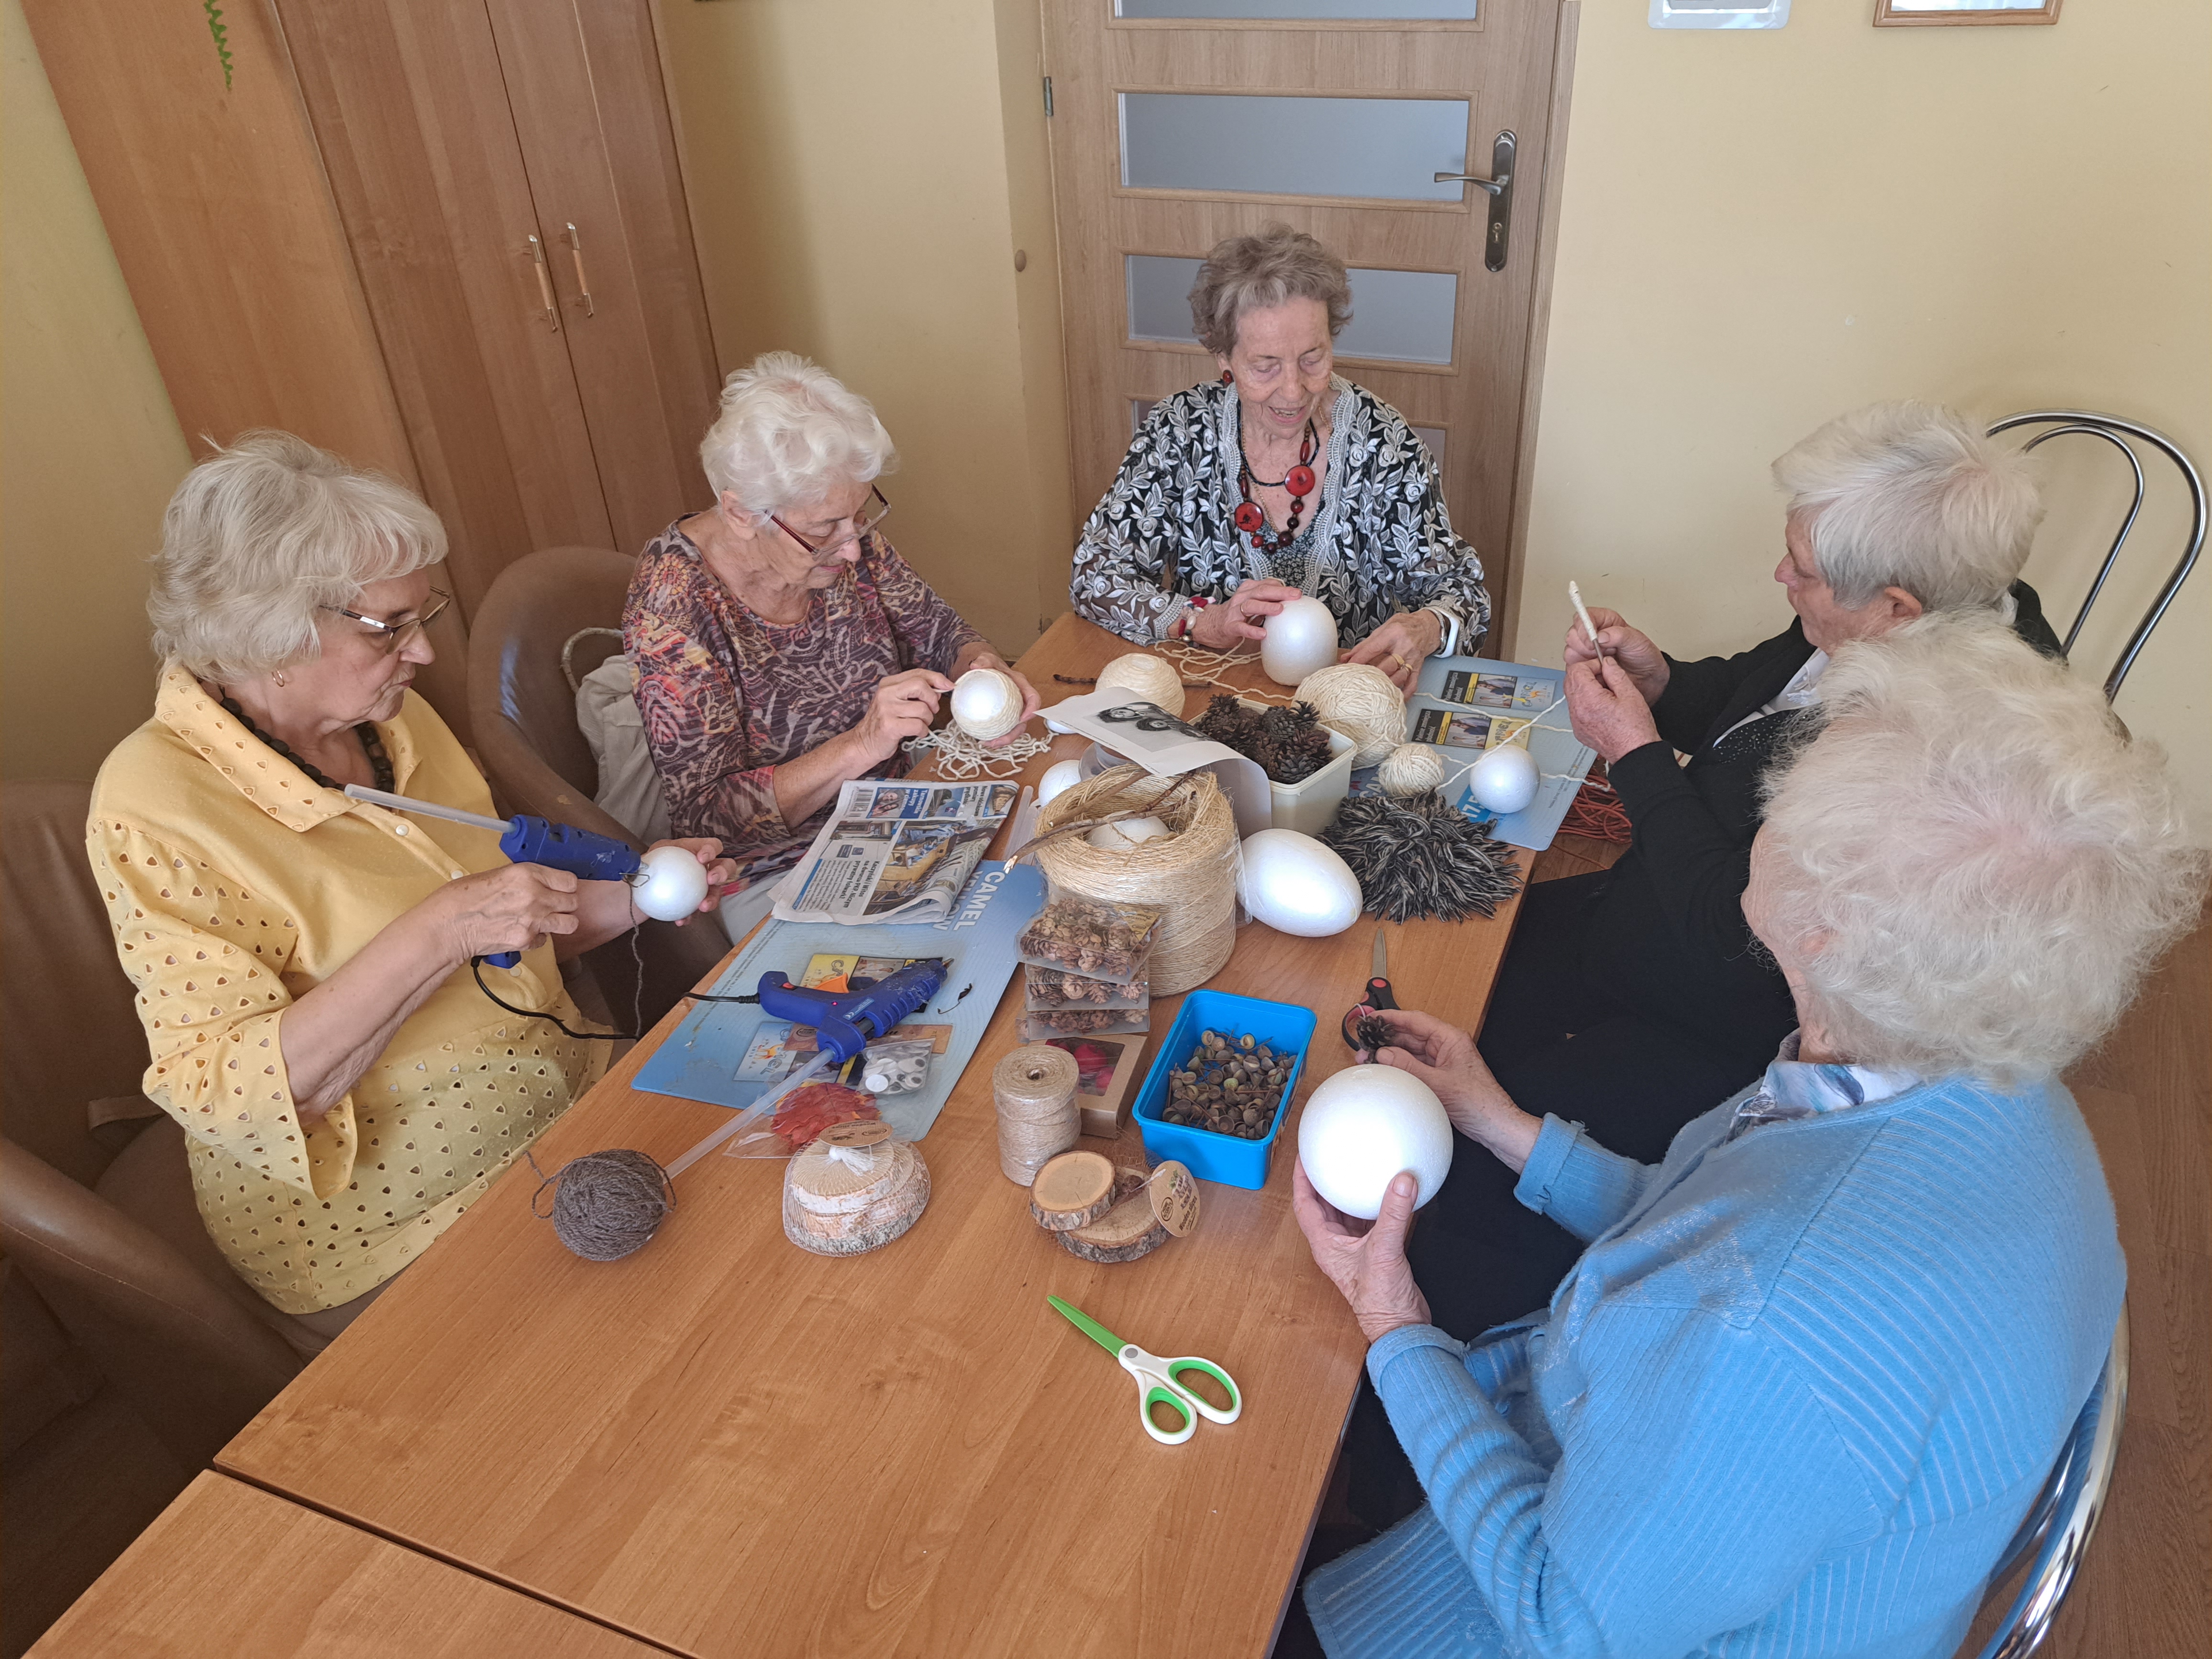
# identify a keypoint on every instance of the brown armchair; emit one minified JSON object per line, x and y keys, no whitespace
{"x":524,"y":712}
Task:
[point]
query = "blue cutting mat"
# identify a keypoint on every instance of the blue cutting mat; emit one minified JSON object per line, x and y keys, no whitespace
{"x":702,"y":1057}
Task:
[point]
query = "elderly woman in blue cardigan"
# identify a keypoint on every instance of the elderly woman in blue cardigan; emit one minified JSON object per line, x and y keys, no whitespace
{"x":1814,"y":1367}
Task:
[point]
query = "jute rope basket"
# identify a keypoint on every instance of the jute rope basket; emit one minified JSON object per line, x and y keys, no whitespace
{"x":1189,"y":875}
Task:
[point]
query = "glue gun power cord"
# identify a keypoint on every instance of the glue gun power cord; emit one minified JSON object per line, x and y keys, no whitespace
{"x":637,"y":1000}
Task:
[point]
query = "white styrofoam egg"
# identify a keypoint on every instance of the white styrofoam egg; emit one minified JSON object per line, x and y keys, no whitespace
{"x":1125,"y":833}
{"x":986,"y":703}
{"x":1362,"y":1127}
{"x":1060,"y":774}
{"x":1505,"y":778}
{"x":1301,"y":637}
{"x":1295,"y":885}
{"x":668,"y":884}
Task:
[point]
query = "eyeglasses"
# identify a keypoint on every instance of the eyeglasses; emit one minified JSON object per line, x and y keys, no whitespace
{"x":862,"y":526}
{"x":396,"y":636}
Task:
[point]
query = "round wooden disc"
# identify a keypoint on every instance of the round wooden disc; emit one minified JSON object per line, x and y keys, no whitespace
{"x":1071,"y":1191}
{"x":1128,"y":1231}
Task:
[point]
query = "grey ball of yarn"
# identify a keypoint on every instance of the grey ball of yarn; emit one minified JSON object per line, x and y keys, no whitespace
{"x":606,"y":1205}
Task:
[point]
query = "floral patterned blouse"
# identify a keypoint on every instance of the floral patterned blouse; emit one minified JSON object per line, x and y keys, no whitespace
{"x":728,"y":697}
{"x":1380,"y":541}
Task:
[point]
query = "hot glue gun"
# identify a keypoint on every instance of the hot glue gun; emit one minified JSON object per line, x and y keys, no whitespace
{"x":849,"y":1021}
{"x":527,"y":840}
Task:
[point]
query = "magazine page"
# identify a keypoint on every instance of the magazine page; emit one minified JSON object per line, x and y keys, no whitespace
{"x":1147,"y":734}
{"x":894,"y":852}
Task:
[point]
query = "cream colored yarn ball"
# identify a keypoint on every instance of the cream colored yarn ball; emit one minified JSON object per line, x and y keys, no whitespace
{"x":1359,"y":700}
{"x":1153,"y":678}
{"x":1410,"y":768}
{"x":986,"y":704}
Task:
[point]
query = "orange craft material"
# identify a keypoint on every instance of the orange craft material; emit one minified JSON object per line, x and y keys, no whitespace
{"x":804,"y":1112}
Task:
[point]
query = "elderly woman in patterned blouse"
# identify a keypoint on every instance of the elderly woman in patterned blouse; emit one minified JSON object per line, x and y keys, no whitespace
{"x":782,"y":648}
{"x":302,"y":960}
{"x":1282,"y":478}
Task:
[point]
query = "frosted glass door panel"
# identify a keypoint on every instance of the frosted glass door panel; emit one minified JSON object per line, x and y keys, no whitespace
{"x":1397,"y":316}
{"x":1325,"y":11}
{"x":1369,"y":148}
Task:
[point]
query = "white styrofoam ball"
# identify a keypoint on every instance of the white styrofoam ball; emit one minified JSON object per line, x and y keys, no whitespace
{"x":1505,"y":778}
{"x":1301,"y":637}
{"x":1155,"y":680}
{"x":986,"y":703}
{"x":1060,"y":774}
{"x":1366,"y":1124}
{"x":1125,"y":833}
{"x":1295,"y":885}
{"x":669,"y":883}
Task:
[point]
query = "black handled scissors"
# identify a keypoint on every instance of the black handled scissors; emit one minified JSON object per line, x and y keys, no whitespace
{"x":1377,"y":995}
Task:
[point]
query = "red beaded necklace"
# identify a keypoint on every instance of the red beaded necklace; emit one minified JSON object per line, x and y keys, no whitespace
{"x":1299,"y":480}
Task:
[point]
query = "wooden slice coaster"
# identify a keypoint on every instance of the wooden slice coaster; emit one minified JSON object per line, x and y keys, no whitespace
{"x":826,"y":1224}
{"x":1127,"y":1231}
{"x":1071,"y":1191}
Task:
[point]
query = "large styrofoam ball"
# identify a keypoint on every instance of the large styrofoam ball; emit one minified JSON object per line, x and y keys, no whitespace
{"x":1060,"y":774}
{"x":1125,"y":833}
{"x":1364,"y":1125}
{"x":1154,"y":679}
{"x":1505,"y":778}
{"x":669,"y":883}
{"x":1300,"y":638}
{"x":986,"y":703}
{"x":1295,"y":885}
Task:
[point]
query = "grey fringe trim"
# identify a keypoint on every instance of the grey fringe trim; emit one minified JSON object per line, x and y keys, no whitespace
{"x":1416,"y":856}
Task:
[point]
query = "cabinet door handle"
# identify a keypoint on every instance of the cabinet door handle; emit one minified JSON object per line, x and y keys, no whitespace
{"x":545,"y":285}
{"x":583,"y":283}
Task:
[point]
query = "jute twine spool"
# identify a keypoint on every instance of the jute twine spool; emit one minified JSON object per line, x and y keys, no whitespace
{"x":606,"y":1205}
{"x":1359,"y":700}
{"x":1153,"y":678}
{"x":1410,"y":768}
{"x":1189,"y":875}
{"x":1034,"y":1088}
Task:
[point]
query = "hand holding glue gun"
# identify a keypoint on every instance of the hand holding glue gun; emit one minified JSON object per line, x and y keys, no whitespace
{"x":1598,"y":632}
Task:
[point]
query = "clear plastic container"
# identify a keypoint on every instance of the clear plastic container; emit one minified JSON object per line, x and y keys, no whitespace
{"x":1091,"y":937}
{"x":1047,"y":990}
{"x":1083,"y":1022}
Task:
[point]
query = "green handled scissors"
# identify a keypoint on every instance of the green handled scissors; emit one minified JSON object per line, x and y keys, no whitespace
{"x":1156,"y":1377}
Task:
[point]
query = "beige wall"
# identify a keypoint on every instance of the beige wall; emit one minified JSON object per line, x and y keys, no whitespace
{"x":90,"y":450}
{"x":861,"y":173}
{"x":1760,"y":230}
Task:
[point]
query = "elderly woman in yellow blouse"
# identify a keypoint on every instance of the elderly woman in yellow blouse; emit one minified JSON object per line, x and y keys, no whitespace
{"x":303,"y":959}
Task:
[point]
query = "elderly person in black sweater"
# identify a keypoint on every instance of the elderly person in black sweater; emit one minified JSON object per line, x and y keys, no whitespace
{"x":1633,"y":999}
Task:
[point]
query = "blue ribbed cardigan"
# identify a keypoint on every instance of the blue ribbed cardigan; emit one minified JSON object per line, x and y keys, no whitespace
{"x":1793,"y":1399}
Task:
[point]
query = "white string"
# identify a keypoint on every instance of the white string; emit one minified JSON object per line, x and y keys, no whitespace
{"x":961,"y":757}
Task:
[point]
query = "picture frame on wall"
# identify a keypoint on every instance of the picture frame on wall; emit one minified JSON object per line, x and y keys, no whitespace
{"x":1914,"y":13}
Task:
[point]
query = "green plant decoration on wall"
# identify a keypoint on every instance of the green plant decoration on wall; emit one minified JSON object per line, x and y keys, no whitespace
{"x":221,"y":38}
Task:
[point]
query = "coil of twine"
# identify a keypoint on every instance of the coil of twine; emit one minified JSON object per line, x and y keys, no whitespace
{"x":1359,"y":700}
{"x":1153,"y":678}
{"x":1188,"y":875}
{"x":1410,"y":768}
{"x":1034,"y":1090}
{"x":606,"y":1205}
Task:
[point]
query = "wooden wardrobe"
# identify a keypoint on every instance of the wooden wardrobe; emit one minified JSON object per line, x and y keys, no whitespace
{"x":447,"y":238}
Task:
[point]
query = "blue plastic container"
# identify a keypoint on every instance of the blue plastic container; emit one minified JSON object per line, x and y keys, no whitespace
{"x":1229,"y":1159}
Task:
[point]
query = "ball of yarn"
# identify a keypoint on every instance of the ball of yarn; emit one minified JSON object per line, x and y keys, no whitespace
{"x":606,"y":1205}
{"x":1359,"y":700}
{"x":1033,"y":1089}
{"x":1153,"y":678}
{"x":1409,"y":768}
{"x":986,"y":704}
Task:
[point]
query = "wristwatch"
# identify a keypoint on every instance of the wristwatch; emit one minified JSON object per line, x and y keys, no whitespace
{"x":1447,"y":645}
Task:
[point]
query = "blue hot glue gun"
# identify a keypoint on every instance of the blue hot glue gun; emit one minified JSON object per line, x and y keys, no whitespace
{"x":849,"y":1021}
{"x":526,"y":840}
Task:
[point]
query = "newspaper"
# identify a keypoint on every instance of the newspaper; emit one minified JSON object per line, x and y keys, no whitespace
{"x":894,"y":852}
{"x":1130,"y":729}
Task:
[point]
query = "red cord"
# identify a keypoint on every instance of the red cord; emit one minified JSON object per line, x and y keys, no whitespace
{"x":1598,"y":812}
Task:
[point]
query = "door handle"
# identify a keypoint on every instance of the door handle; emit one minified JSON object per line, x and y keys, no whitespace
{"x":1499,"y":186}
{"x":545,"y":285}
{"x":583,"y":283}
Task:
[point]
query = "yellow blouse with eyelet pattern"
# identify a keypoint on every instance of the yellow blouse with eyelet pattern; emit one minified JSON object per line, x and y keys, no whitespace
{"x":235,"y":885}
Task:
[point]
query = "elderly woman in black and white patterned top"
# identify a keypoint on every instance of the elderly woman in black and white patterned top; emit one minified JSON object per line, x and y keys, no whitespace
{"x":1281,"y":478}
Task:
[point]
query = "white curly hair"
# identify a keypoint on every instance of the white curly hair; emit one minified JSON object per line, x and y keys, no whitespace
{"x":790,"y":432}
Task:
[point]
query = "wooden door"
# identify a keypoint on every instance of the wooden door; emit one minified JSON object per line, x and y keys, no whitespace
{"x":423,"y":160}
{"x":1131,"y":202}
{"x":583,"y":79}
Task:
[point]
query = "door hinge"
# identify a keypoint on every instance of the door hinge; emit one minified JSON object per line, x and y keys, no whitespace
{"x":1048,"y":98}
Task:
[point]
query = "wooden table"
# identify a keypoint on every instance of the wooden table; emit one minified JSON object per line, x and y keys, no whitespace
{"x":236,"y":1573}
{"x":726,"y":1445}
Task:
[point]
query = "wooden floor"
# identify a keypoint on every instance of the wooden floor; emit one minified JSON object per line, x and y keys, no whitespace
{"x":2146,"y":1591}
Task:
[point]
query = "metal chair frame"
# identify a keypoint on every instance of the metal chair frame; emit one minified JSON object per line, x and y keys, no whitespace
{"x":2110,"y":428}
{"x":2065,"y":1512}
